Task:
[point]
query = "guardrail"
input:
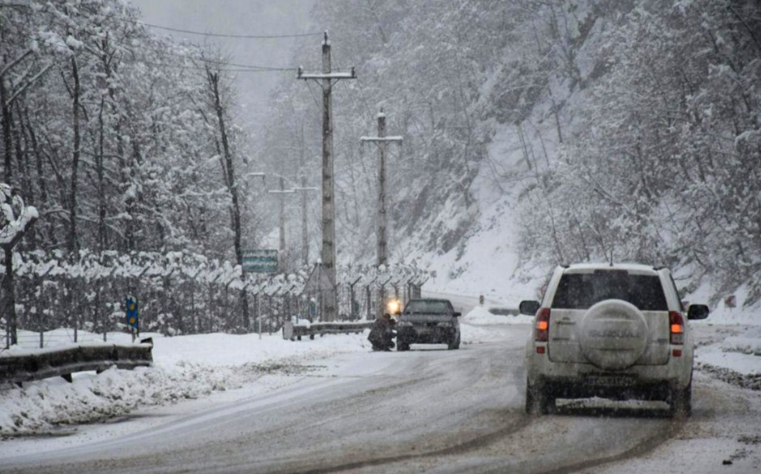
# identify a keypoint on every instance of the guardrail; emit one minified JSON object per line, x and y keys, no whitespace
{"x":64,"y":362}
{"x":294,"y":332}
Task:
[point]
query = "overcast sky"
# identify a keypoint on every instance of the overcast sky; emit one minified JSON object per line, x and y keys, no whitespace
{"x":240,"y":17}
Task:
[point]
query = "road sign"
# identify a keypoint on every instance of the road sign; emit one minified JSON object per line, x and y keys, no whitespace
{"x":260,"y":261}
{"x":133,"y":312}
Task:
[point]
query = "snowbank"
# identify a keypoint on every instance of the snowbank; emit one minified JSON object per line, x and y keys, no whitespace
{"x":481,"y":326}
{"x":724,"y":314}
{"x":14,"y":216}
{"x":221,"y":350}
{"x":735,"y":359}
{"x":186,"y":367}
{"x":482,"y":316}
{"x":743,"y":345}
{"x":42,"y":405}
{"x":189,"y":367}
{"x":746,"y":364}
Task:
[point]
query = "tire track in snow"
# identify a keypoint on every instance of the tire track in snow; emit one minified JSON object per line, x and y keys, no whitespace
{"x":643,"y":447}
{"x":457,"y":449}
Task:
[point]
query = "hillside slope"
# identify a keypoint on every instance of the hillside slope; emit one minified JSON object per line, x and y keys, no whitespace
{"x":537,"y":134}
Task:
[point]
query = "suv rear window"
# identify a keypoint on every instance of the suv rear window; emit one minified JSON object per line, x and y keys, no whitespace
{"x":583,"y":290}
{"x":421,"y":307}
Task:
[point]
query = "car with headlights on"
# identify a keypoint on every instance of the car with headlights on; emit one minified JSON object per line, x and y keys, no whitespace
{"x":428,"y":321}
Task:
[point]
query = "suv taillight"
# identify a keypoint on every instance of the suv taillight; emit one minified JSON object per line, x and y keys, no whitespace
{"x":543,"y":325}
{"x":676,"y":327}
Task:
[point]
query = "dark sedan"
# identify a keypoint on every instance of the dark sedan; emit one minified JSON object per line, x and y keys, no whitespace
{"x":428,"y":321}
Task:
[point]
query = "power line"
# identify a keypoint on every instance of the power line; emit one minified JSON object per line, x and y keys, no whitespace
{"x":256,"y":67}
{"x":197,"y":68}
{"x":225,"y":63}
{"x":178,"y":30}
{"x":221,"y":35}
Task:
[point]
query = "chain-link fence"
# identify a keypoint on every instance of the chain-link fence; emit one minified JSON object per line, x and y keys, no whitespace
{"x":60,"y":301}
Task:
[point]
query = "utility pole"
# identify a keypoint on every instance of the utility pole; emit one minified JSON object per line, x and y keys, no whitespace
{"x":282,"y":217}
{"x":382,"y":232}
{"x":282,"y":192}
{"x":327,"y":78}
{"x":304,"y":224}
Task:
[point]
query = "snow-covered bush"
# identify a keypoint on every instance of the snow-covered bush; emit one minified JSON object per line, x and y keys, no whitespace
{"x":14,"y":215}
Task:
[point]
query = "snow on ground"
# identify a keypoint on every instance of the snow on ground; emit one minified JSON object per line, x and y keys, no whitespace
{"x":481,"y":315}
{"x":722,"y":436}
{"x":723,"y":314}
{"x":235,"y":350}
{"x":43,"y":405}
{"x":195,"y":366}
{"x":480,"y":326}
{"x":186,"y":367}
{"x":731,"y":358}
{"x":488,"y":265}
{"x":749,"y":344}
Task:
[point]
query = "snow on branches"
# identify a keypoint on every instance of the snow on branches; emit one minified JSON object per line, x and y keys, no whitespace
{"x":15,"y":217}
{"x":183,"y":267}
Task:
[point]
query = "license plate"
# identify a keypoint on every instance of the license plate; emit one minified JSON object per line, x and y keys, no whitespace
{"x":610,"y":380}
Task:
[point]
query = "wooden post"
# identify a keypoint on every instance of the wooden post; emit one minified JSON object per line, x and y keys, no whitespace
{"x":282,"y":224}
{"x":328,"y":190}
{"x":382,"y":217}
{"x":304,"y":225}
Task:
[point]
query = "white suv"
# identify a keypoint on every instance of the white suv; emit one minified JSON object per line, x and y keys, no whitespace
{"x":611,"y":331}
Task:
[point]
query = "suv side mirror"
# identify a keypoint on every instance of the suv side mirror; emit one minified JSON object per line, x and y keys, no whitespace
{"x":529,"y":308}
{"x":456,"y":314}
{"x":697,"y":311}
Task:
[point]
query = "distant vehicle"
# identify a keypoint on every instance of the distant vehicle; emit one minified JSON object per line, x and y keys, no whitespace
{"x":428,"y":321}
{"x":611,"y":331}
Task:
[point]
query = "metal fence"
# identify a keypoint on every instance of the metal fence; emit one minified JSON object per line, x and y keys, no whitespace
{"x":59,"y":303}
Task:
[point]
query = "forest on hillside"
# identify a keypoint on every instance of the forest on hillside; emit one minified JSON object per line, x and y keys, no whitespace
{"x":638,"y":125}
{"x":123,"y":140}
{"x":119,"y":149}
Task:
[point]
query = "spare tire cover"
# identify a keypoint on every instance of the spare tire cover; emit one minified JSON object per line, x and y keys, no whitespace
{"x":614,"y":334}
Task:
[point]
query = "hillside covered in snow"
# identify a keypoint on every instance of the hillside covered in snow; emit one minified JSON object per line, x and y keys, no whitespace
{"x":538,"y":133}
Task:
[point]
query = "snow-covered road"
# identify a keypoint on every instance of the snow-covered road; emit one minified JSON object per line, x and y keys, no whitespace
{"x":427,"y":410}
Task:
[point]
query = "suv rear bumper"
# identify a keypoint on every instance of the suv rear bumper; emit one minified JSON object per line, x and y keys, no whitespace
{"x":676,"y":373}
{"x":576,"y":388}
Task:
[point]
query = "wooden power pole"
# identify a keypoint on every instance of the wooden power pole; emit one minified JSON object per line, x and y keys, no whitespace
{"x":327,"y":78}
{"x":304,"y":224}
{"x":303,"y":189}
{"x":282,"y":192}
{"x":382,"y":142}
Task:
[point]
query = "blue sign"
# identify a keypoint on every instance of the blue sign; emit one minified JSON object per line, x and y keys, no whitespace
{"x":133,"y":315}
